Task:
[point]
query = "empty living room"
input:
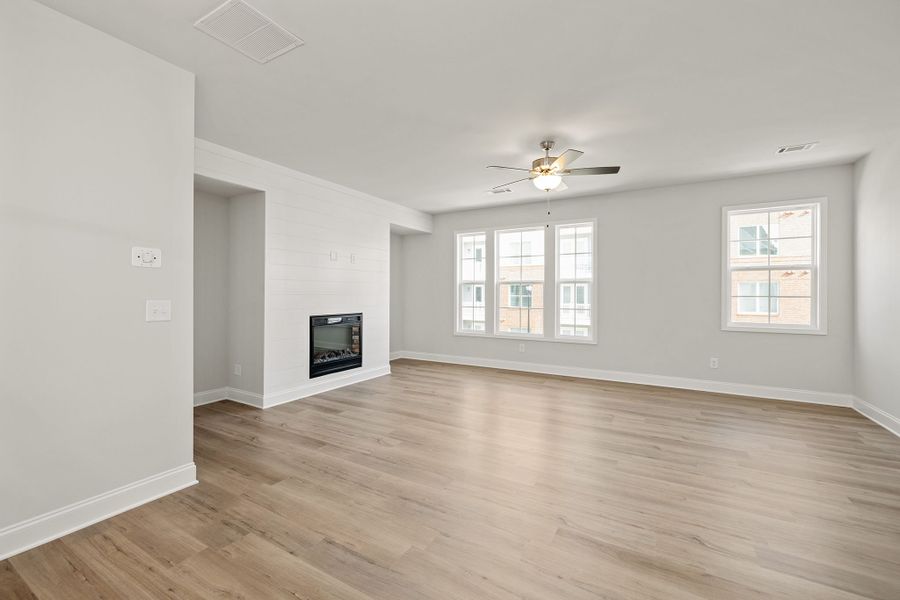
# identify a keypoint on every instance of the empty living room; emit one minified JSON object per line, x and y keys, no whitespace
{"x":496,"y":300}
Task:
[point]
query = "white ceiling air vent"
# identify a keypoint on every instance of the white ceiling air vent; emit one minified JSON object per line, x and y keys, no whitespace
{"x":239,"y":25}
{"x":796,"y":148}
{"x":499,"y":191}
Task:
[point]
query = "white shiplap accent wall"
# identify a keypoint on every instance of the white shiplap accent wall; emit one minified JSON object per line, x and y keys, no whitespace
{"x":306,"y":219}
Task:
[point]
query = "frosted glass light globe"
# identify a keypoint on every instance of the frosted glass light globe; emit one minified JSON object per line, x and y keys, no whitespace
{"x":545,"y":183}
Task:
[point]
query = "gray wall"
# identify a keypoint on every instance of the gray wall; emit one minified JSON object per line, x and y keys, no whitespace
{"x":210,"y":291}
{"x":878,"y":279}
{"x":659,"y":273}
{"x":229,"y":294}
{"x":96,"y":156}
{"x":246,"y":290}
{"x":397,"y":293}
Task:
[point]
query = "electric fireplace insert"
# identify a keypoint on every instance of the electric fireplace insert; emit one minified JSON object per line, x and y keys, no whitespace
{"x":335,"y":343}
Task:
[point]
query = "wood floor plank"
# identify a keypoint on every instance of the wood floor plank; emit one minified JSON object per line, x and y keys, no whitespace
{"x":444,"y":481}
{"x":12,"y":586}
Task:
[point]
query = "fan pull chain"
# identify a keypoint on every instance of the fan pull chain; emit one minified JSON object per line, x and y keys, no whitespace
{"x":548,"y":211}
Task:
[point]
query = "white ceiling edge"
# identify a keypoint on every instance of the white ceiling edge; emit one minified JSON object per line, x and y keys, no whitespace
{"x":673,"y":92}
{"x":659,"y":186}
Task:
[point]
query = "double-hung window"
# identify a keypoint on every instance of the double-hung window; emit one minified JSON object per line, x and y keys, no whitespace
{"x":574,"y":279}
{"x":773,"y":268}
{"x":470,"y":279}
{"x":531,"y":282}
{"x":520,"y":281}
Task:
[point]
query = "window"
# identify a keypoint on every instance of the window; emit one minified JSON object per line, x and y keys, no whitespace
{"x":520,"y":296}
{"x":754,"y":298}
{"x":470,"y":277}
{"x":574,"y":279}
{"x":520,"y":281}
{"x":773,"y":267}
{"x":755,"y":241}
{"x":502,"y":276}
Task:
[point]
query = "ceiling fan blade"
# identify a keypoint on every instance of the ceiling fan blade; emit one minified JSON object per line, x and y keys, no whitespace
{"x":565,"y":159}
{"x":508,"y":168}
{"x":510,"y":183}
{"x":592,"y":171}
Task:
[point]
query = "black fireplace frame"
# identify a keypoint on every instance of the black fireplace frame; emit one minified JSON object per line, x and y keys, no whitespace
{"x":334,"y":366}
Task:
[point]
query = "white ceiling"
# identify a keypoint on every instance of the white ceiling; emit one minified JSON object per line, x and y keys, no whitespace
{"x":410,"y":100}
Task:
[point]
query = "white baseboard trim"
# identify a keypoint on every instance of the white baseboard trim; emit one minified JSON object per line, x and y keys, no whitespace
{"x":228,"y":393}
{"x":210,"y":396}
{"x":703,"y":385}
{"x":873,"y":413}
{"x":33,"y":532}
{"x":245,"y":397}
{"x":325,"y":384}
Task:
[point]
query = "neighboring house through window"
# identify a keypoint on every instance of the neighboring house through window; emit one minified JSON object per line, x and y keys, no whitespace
{"x":514,"y":260}
{"x":773,"y":267}
{"x":470,"y":282}
{"x":520,"y":281}
{"x":575,"y":277}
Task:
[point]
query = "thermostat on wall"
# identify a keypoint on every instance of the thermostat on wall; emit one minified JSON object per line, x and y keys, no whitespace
{"x":146,"y":257}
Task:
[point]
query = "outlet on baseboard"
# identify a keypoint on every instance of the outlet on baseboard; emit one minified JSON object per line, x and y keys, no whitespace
{"x":237,"y":369}
{"x":714,"y":362}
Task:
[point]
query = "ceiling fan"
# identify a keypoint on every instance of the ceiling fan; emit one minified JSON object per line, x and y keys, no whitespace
{"x":547,"y":172}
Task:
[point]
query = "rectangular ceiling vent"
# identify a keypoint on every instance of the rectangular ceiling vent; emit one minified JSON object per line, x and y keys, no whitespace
{"x":499,"y":190}
{"x":797,"y":148}
{"x":239,"y":25}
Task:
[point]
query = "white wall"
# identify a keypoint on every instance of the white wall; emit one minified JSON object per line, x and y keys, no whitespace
{"x":246,"y":290}
{"x":397,"y":293}
{"x":95,"y":157}
{"x":659,"y":276}
{"x":306,"y":220}
{"x":210,"y":291}
{"x":878,"y":285}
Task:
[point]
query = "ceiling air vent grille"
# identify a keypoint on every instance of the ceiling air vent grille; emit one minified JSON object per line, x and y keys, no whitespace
{"x":796,"y":148}
{"x":239,"y":25}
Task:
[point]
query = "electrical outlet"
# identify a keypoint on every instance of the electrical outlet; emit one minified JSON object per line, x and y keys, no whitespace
{"x":237,"y":369}
{"x":714,"y":362}
{"x":521,"y":347}
{"x":332,"y":255}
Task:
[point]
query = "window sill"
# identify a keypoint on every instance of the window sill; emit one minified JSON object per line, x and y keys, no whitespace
{"x":525,"y":337}
{"x":763,"y":329}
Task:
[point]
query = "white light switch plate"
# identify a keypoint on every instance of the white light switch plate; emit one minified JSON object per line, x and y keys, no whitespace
{"x":150,"y":258}
{"x":159,"y":310}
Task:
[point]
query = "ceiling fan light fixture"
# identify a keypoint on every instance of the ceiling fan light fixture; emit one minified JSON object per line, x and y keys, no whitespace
{"x":547,"y":182}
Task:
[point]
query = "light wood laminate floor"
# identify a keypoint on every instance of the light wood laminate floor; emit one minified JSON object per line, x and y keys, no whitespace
{"x":450,"y":482}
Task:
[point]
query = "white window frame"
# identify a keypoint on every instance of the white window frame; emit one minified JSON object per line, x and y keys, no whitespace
{"x":817,"y":269}
{"x":498,"y":283}
{"x":457,"y":305}
{"x":550,"y":301}
{"x":591,"y":284}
